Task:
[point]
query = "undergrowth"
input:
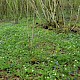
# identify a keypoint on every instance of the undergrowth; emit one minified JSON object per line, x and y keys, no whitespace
{"x":52,"y":56}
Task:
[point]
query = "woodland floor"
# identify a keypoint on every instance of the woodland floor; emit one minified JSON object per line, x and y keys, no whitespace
{"x":48,"y":56}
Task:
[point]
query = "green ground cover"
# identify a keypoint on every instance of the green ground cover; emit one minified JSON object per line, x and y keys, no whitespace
{"x":52,"y":56}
